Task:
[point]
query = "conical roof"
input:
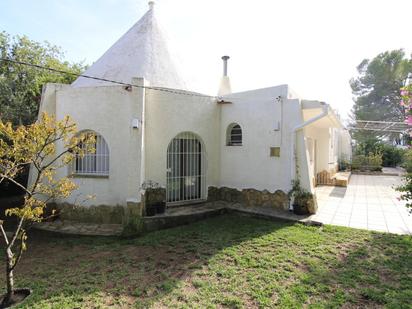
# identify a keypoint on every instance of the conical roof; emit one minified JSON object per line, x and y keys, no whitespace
{"x":140,"y":52}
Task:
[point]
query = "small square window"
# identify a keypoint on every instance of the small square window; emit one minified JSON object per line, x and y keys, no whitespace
{"x":275,"y":151}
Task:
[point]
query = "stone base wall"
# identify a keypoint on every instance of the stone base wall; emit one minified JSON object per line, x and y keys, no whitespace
{"x":131,"y":216}
{"x":250,"y":197}
{"x":95,"y":214}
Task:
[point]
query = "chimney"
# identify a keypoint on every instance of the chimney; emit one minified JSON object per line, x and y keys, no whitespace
{"x":224,"y":87}
{"x":225,"y":59}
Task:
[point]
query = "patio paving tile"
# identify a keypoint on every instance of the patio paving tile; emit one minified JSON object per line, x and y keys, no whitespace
{"x":369,"y":202}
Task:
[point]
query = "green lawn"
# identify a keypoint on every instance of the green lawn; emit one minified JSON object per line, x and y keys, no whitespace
{"x":224,"y":262}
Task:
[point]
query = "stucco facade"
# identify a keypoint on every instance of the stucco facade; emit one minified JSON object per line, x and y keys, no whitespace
{"x":177,"y":138}
{"x":266,"y":116}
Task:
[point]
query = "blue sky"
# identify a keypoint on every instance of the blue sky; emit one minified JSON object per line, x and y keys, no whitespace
{"x":314,"y":46}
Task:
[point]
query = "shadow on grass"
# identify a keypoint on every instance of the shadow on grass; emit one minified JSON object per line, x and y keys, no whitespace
{"x":373,"y":271}
{"x":67,"y":272}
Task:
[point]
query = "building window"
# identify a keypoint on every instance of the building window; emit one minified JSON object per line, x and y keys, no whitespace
{"x":234,"y":135}
{"x":93,"y":163}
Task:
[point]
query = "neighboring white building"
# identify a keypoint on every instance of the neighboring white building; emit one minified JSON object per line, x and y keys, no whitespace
{"x":160,"y":131}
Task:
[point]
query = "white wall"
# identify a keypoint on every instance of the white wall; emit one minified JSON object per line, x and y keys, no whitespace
{"x":108,"y":111}
{"x":323,"y":146}
{"x":267,"y":118}
{"x":345,"y":145}
{"x":258,"y":112}
{"x":332,"y":144}
{"x":167,"y":115}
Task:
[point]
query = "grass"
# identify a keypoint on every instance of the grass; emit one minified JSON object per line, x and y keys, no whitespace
{"x":225,"y":262}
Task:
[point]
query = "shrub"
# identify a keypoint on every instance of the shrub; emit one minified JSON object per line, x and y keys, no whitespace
{"x":133,"y":227}
{"x":406,"y":191}
{"x":372,"y":162}
{"x":343,"y":164}
{"x":406,"y":188}
{"x":407,"y":160}
{"x":358,"y":162}
{"x":391,"y":155}
{"x":303,"y":202}
{"x":375,"y":162}
{"x":370,"y":145}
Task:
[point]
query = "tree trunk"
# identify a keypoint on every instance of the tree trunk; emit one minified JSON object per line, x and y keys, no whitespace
{"x":10,"y":281}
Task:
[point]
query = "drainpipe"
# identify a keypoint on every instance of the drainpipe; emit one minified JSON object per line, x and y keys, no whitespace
{"x":324,"y":113}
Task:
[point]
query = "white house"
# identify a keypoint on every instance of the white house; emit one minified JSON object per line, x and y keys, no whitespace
{"x":157,"y":130}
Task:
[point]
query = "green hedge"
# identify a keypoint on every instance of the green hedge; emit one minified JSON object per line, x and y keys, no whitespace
{"x":392,"y":156}
{"x":407,"y":160}
{"x":371,"y":162}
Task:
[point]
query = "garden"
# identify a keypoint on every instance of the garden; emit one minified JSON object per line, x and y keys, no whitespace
{"x":372,"y":154}
{"x":230,"y":261}
{"x":224,"y":262}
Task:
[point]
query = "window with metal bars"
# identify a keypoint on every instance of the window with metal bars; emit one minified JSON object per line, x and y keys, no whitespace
{"x":186,"y":169}
{"x":93,"y":163}
{"x":234,"y":135}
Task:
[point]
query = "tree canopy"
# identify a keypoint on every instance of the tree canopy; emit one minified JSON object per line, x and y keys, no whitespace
{"x":35,"y":145}
{"x":20,"y":85}
{"x":376,"y":88}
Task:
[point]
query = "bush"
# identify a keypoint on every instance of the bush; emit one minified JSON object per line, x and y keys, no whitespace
{"x":370,"y":145}
{"x":372,"y":162}
{"x":406,"y":191}
{"x":375,"y":162}
{"x":358,"y":162}
{"x":133,"y":227}
{"x":407,"y":160}
{"x":344,"y":164}
{"x":391,"y":155}
{"x":303,"y":202}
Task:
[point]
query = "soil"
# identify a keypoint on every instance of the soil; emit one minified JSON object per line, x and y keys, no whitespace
{"x":18,"y":296}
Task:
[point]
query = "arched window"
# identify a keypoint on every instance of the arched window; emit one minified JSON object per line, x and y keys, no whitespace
{"x":234,"y":135}
{"x":93,"y":163}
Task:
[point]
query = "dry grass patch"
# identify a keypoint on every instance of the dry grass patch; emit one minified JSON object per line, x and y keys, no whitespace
{"x":224,"y":262}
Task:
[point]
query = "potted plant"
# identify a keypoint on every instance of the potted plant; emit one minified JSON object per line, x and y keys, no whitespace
{"x":151,"y":210}
{"x":301,"y":202}
{"x":301,"y":199}
{"x":160,"y":207}
{"x":154,"y":194}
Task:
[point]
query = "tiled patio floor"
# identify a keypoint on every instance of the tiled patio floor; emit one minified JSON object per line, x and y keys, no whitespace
{"x":369,"y":202}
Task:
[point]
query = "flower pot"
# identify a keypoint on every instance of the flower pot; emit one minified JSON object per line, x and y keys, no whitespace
{"x":160,"y":207}
{"x":299,"y":209}
{"x":150,"y":210}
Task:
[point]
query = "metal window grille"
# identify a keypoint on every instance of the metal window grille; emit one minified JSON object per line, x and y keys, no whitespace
{"x":235,"y":138}
{"x":96,"y":163}
{"x":186,"y":165}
